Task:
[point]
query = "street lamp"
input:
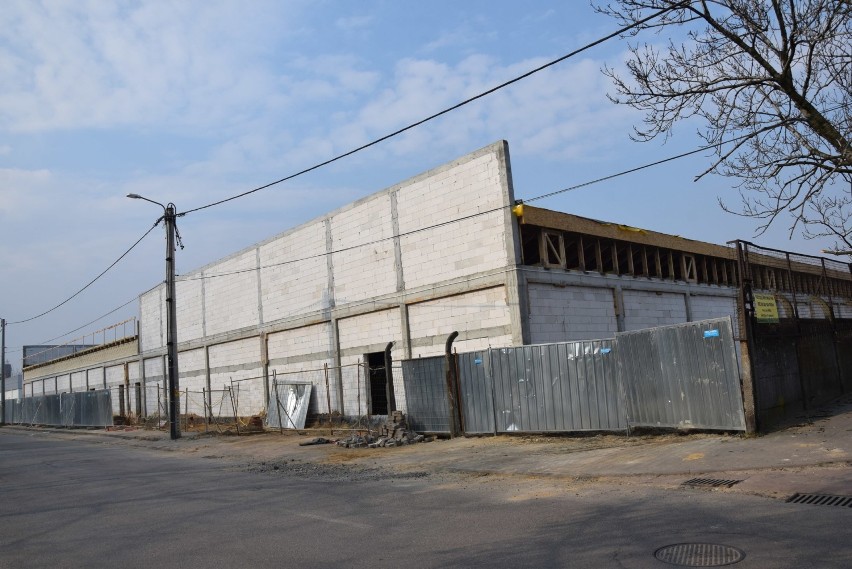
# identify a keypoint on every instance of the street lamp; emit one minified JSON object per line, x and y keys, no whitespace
{"x":169,"y":216}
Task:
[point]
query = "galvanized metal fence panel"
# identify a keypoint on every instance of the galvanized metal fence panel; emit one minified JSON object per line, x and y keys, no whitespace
{"x":683,"y":376}
{"x":426,"y":394}
{"x":86,"y":408}
{"x":12,"y":409}
{"x":477,"y":393}
{"x":77,"y":409}
{"x":568,"y":386}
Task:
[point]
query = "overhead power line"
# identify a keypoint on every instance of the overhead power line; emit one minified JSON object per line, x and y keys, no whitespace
{"x":91,"y":282}
{"x":586,"y":47}
{"x":477,"y":214}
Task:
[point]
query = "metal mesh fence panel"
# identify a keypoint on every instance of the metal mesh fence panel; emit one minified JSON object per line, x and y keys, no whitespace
{"x":798,"y":313}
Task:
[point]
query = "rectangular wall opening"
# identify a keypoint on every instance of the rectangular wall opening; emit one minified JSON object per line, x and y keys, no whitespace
{"x":378,"y":383}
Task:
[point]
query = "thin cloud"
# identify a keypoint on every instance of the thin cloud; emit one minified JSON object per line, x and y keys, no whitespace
{"x":353,"y":23}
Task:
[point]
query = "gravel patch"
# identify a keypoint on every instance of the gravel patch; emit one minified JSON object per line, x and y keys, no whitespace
{"x":329,"y":472}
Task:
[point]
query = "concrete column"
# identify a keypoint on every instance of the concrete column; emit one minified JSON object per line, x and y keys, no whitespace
{"x":618,"y":302}
{"x":397,"y":248}
{"x":405,"y":327}
{"x":687,"y":301}
{"x":207,"y":380}
{"x":516,"y":285}
{"x":259,"y":291}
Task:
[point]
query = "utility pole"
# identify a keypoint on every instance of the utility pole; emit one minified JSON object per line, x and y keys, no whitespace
{"x":171,"y":312}
{"x":170,"y":220}
{"x":2,"y":371}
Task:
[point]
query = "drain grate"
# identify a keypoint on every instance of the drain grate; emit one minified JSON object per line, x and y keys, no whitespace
{"x":699,"y":554}
{"x":821,"y":500}
{"x":710,"y":483}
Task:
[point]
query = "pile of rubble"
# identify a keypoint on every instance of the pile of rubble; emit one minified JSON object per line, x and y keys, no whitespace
{"x":393,"y":432}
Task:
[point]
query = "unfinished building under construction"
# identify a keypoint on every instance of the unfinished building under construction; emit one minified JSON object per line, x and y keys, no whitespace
{"x":449,"y":250}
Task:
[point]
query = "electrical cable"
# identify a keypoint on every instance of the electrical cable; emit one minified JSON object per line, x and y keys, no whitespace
{"x":586,"y":47}
{"x":464,"y":218}
{"x":91,"y":282}
{"x":44,"y":342}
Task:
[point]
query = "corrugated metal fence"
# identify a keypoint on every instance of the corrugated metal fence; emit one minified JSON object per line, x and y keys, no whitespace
{"x":673,"y":376}
{"x":78,"y":409}
{"x":683,"y":376}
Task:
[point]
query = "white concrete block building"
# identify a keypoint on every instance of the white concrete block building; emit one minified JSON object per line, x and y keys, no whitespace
{"x":447,"y":250}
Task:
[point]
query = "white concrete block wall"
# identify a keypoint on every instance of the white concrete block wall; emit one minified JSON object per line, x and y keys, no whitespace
{"x":95,"y":378}
{"x":135,"y":373}
{"x":132,"y":375}
{"x":360,"y":335}
{"x":457,"y":249}
{"x":366,"y":268}
{"x":114,"y":377}
{"x":820,"y":307}
{"x":299,"y":343}
{"x":155,"y":395}
{"x":231,"y":300}
{"x":291,"y":288}
{"x":189,"y":307}
{"x":649,"y":309}
{"x":314,"y":339}
{"x":705,"y":307}
{"x":78,"y":381}
{"x":842,"y":308}
{"x":475,"y":315}
{"x":151,"y":330}
{"x":562,"y":314}
{"x":372,"y":329}
{"x":63,"y":383}
{"x":193,"y":381}
{"x":239,"y":361}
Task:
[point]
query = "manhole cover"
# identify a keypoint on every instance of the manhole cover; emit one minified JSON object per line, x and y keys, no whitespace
{"x":699,"y":554}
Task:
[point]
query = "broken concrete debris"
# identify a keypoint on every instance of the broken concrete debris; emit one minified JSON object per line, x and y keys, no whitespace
{"x":393,"y":432}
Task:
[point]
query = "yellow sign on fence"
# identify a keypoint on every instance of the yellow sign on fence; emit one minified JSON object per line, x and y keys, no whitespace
{"x":765,"y":309}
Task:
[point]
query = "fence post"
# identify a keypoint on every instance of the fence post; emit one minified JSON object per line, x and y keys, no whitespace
{"x":328,"y":399}
{"x":264,"y":359}
{"x":746,"y":339}
{"x":451,"y":384}
{"x":389,"y":394}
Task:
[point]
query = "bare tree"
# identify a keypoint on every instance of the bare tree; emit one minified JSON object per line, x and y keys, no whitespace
{"x":771,"y":83}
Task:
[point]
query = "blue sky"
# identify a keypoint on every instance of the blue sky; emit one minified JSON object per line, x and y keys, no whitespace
{"x":194,"y":101}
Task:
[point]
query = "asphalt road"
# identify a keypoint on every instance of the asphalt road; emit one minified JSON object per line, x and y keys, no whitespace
{"x":78,"y":503}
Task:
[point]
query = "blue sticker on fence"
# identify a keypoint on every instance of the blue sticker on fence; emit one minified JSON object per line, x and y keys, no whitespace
{"x":711,"y":333}
{"x":606,"y":350}
{"x":478,"y":361}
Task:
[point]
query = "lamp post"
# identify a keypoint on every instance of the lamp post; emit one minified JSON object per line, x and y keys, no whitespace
{"x":169,"y":217}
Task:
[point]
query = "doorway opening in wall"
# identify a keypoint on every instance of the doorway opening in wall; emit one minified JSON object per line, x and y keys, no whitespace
{"x":378,"y":383}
